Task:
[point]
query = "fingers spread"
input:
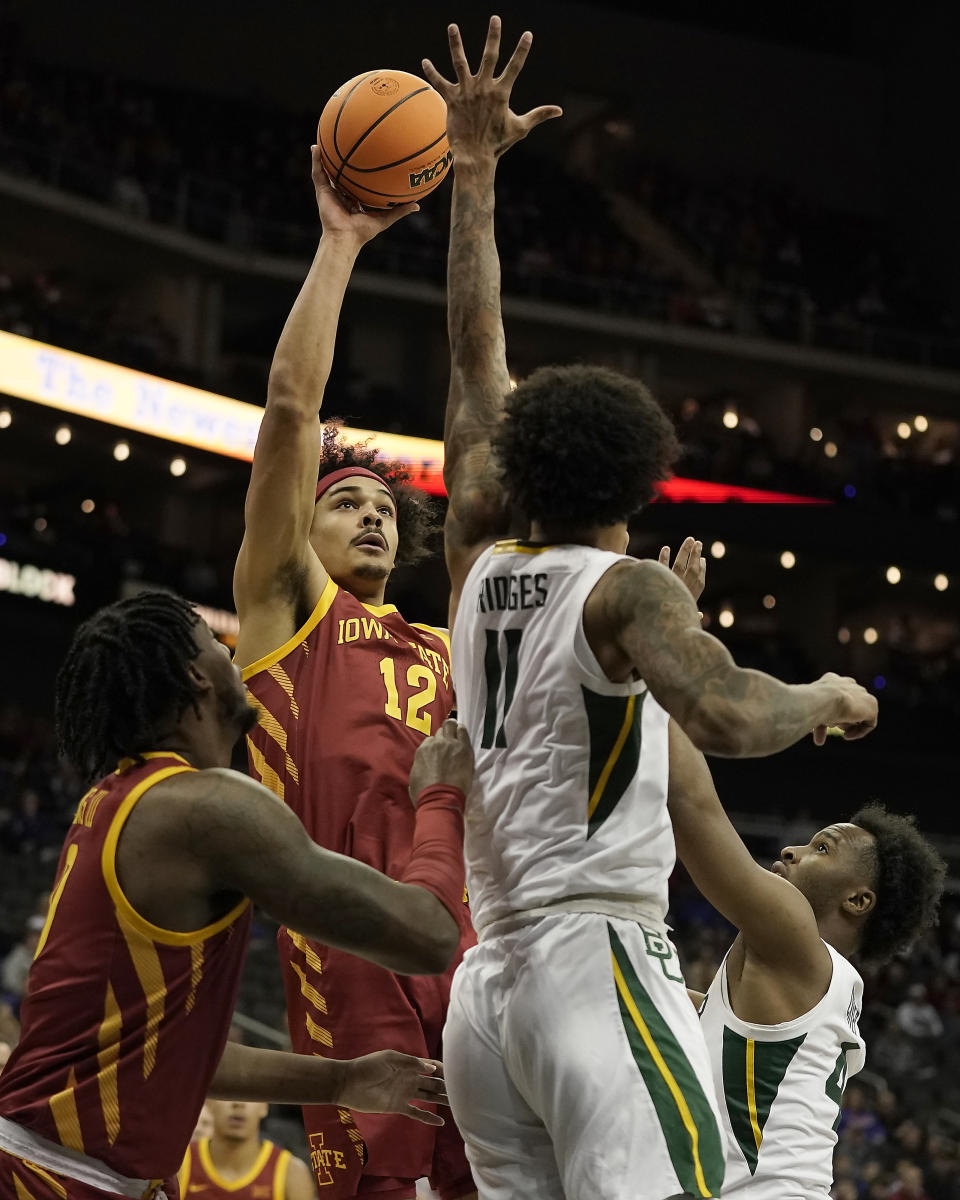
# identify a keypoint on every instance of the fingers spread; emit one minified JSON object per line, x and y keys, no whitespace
{"x":513,"y":68}
{"x":491,"y":49}
{"x":536,"y":116}
{"x":457,"y":55}
{"x":421,"y":1115}
{"x":435,"y":79}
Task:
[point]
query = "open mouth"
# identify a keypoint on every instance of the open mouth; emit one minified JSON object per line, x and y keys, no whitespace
{"x":376,"y":540}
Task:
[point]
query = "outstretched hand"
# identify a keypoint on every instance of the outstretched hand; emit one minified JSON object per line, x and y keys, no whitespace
{"x":690,"y":565}
{"x":343,"y":216}
{"x":389,"y":1082}
{"x":480,"y":122}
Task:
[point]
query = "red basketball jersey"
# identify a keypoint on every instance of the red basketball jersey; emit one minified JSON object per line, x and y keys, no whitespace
{"x":123,"y":1022}
{"x":342,"y":707}
{"x":266,"y":1180}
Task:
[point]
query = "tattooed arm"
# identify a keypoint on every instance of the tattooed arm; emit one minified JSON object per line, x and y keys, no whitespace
{"x":641,"y":618}
{"x":480,"y":127}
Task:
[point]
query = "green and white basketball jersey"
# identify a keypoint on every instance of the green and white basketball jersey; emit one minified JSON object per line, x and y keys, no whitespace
{"x":780,"y":1088}
{"x":570,"y":793}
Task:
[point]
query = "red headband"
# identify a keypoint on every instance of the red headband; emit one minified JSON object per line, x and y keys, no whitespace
{"x":325,"y":482}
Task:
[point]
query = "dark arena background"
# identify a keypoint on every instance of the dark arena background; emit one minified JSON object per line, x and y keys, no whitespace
{"x":756,"y":213}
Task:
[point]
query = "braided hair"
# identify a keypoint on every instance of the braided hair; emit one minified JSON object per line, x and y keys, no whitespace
{"x":125,"y":681}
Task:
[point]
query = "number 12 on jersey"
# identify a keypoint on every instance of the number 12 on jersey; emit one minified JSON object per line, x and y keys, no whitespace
{"x":494,"y":671}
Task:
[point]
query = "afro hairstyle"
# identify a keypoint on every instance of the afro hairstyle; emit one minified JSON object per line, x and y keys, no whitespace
{"x":582,"y":446}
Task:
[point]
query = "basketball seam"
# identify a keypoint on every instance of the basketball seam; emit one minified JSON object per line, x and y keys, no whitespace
{"x":400,"y":161}
{"x":370,"y":128}
{"x":336,"y":120}
{"x":404,"y":197}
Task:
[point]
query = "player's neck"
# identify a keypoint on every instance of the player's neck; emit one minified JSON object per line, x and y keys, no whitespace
{"x":838,"y":934}
{"x":233,"y":1159}
{"x":200,"y":742}
{"x":600,"y":537}
{"x":365,"y":591}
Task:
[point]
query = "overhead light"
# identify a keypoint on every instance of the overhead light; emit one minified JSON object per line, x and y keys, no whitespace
{"x":849,"y":491}
{"x":178,"y":466}
{"x":904,"y":430}
{"x":63,"y":435}
{"x":40,"y":524}
{"x":513,"y":384}
{"x":941,"y":582}
{"x":893,"y":575}
{"x":121,"y":451}
{"x":843,"y":635}
{"x":769,"y":601}
{"x":921,"y":424}
{"x":788,"y":559}
{"x":717,"y":549}
{"x":725,"y":618}
{"x":730,"y":419}
{"x":816,"y":434}
{"x":870,"y":635}
{"x":6,"y":418}
{"x":87,"y":506}
{"x":830,"y":449}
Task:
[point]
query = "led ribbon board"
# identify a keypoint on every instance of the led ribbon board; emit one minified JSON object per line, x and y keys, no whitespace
{"x":189,"y":416}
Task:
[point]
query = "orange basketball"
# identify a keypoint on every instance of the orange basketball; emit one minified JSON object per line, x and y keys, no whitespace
{"x":383,"y":138}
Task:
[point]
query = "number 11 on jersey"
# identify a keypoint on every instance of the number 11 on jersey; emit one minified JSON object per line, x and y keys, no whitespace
{"x":493,"y":721}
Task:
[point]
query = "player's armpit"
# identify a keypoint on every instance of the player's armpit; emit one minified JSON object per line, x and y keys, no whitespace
{"x":641,"y":616}
{"x":775,"y":919}
{"x":244,"y":841}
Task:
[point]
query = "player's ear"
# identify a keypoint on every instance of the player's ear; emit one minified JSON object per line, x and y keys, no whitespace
{"x":860,"y":902}
{"x":198,"y":677}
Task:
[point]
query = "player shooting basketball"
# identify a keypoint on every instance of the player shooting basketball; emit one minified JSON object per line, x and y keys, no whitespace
{"x":345,"y":690}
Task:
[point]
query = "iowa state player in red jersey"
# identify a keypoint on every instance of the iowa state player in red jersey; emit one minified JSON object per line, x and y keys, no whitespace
{"x":345,"y":689}
{"x":235,"y":1163}
{"x":130,"y":996}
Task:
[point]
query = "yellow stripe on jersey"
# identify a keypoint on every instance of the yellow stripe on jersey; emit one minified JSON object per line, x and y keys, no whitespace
{"x":752,"y":1094}
{"x":279,"y":675}
{"x":23,"y":1192}
{"x":614,"y":755}
{"x":65,"y":1116}
{"x":48,"y":1179}
{"x":108,"y":1038}
{"x":678,"y":1098}
{"x":146,"y":963}
{"x":317,"y":1032}
{"x":280,"y":1176}
{"x":517,"y":547}
{"x":274,"y":730}
{"x":55,"y":898}
{"x":307,"y":990}
{"x":268,"y":776}
{"x":301,"y":943}
{"x":196,"y":973}
{"x":108,"y":865}
{"x":232,"y":1185}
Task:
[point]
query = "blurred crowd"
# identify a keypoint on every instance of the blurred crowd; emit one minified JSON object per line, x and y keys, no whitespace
{"x":760,"y":261}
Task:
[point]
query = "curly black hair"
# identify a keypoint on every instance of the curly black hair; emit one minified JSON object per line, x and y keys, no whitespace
{"x":418,"y":524}
{"x":125,"y":681}
{"x":583,"y":446}
{"x":908,"y":880}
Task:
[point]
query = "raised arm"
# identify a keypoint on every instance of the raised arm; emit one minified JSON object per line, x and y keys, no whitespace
{"x":480,"y":127}
{"x":641,"y":617}
{"x":776,"y":921}
{"x":277,"y":570}
{"x":215,"y":836}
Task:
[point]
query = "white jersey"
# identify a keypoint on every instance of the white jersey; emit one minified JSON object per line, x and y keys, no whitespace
{"x":780,"y":1088}
{"x":570,"y":797}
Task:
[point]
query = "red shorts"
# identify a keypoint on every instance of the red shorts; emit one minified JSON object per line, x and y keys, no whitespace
{"x":341,"y":1006}
{"x":21,"y":1180}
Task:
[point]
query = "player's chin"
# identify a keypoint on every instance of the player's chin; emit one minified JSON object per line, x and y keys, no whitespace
{"x":372,"y":569}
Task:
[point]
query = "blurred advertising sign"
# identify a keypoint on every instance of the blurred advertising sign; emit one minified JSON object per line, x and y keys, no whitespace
{"x":36,"y":583}
{"x":103,"y":391}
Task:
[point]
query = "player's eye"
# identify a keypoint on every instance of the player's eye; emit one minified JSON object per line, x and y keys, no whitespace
{"x":387,"y":511}
{"x":821,"y":846}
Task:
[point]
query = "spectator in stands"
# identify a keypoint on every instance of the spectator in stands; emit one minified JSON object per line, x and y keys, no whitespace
{"x":917,"y":1017}
{"x":908,"y":1183}
{"x":16,"y":966}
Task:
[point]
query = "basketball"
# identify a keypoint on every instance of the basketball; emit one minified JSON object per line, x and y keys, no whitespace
{"x":383,"y":139}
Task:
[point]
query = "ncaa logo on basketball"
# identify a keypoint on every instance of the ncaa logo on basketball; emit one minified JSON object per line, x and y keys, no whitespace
{"x":384,"y":85}
{"x":429,"y":174}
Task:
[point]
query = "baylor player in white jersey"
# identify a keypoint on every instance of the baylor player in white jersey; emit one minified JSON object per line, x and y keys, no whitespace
{"x":572,"y":1070}
{"x":781,"y":1017}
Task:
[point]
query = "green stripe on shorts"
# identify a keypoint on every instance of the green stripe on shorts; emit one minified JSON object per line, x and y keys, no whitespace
{"x":689,"y":1126}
